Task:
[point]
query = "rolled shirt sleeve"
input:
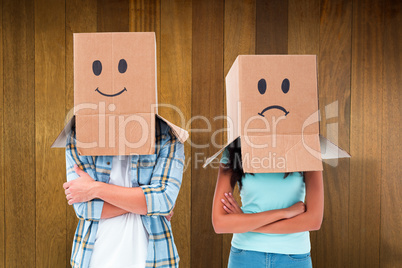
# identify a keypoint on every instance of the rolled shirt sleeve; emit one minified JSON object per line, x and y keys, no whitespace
{"x":162,"y":192}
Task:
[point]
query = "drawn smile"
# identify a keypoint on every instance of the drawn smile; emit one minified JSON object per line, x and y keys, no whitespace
{"x":274,"y":107}
{"x":110,"y":95}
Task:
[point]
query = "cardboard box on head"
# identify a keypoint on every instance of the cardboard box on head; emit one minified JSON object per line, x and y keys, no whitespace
{"x":272,"y":106}
{"x":115,"y":95}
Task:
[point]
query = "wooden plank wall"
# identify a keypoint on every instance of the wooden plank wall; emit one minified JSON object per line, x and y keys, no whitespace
{"x":207,"y":103}
{"x":19,"y":135}
{"x":49,"y":112}
{"x":359,"y":65}
{"x":391,"y":194}
{"x":2,"y":203}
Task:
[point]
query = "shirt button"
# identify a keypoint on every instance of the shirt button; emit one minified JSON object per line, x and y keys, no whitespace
{"x":108,"y":163}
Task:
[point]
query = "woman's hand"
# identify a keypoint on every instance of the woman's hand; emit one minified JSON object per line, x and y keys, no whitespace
{"x":295,"y":210}
{"x":79,"y":190}
{"x":230,"y":205}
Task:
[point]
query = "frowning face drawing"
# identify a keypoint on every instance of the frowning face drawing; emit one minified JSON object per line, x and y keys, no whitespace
{"x":262,"y":88}
{"x":277,"y":88}
{"x":117,"y":69}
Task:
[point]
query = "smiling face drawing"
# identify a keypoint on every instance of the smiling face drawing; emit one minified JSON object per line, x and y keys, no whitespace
{"x":117,"y":69}
{"x":277,"y":88}
{"x":97,"y":70}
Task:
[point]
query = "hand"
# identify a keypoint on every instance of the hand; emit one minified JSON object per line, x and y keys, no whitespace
{"x":169,"y":217}
{"x":230,"y":205}
{"x":79,"y":190}
{"x":295,"y":210}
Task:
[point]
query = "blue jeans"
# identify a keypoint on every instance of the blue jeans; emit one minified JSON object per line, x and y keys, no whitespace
{"x":239,"y":258}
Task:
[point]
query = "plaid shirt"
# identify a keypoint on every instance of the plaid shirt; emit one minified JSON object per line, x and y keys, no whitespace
{"x":159,"y":176}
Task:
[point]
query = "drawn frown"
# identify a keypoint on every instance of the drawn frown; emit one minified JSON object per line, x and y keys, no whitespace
{"x":262,"y":88}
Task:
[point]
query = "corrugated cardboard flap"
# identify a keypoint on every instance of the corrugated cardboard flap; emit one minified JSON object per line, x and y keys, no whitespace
{"x":109,"y":134}
{"x":180,"y":133}
{"x":281,"y":153}
{"x":60,"y":141}
{"x":330,"y":150}
{"x":211,"y":158}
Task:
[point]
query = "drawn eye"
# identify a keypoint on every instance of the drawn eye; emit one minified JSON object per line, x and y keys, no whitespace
{"x":262,"y":86}
{"x":97,"y":67}
{"x":122,"y":66}
{"x":285,"y":85}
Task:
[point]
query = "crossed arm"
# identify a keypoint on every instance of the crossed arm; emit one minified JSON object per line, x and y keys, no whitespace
{"x":227,"y":216}
{"x":94,"y":200}
{"x":118,"y":200}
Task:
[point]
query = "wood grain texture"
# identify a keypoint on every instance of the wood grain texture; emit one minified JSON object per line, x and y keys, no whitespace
{"x":49,"y":115}
{"x":207,"y":102}
{"x":113,"y":15}
{"x":239,"y":40}
{"x":2,"y":193}
{"x":271,"y":27}
{"x":81,"y":16}
{"x":304,"y":38}
{"x":334,"y":99}
{"x":366,"y":133}
{"x":19,"y":136}
{"x":144,"y":15}
{"x":174,"y":97}
{"x":391,"y":185}
{"x":304,"y":27}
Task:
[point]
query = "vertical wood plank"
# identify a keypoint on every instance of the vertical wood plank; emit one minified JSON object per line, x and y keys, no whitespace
{"x":366,"y":132}
{"x":391,"y":185}
{"x":304,"y":38}
{"x":113,"y":15}
{"x":175,"y":91}
{"x":19,"y":136}
{"x":304,"y":27}
{"x":207,"y":103}
{"x":271,"y":27}
{"x":334,"y":93}
{"x":49,"y":115}
{"x":240,"y":33}
{"x":2,"y":193}
{"x":239,"y":39}
{"x":145,"y":16}
{"x":81,"y":16}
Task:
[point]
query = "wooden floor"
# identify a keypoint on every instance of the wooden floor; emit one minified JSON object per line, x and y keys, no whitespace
{"x":358,"y":44}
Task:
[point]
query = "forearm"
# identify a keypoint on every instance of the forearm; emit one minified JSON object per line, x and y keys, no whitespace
{"x":110,"y":211}
{"x":130,"y":199}
{"x":246,"y":222}
{"x":311,"y":219}
{"x":301,"y":223}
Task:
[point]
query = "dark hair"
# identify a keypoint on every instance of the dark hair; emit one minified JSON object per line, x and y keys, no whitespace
{"x":235,"y":165}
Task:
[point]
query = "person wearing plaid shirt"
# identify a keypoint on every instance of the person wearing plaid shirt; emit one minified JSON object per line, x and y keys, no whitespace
{"x":156,"y":181}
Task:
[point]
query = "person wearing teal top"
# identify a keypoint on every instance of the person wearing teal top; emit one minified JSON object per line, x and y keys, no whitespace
{"x":271,"y":229}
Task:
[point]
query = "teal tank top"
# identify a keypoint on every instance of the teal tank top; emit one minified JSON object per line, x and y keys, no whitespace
{"x":267,"y":191}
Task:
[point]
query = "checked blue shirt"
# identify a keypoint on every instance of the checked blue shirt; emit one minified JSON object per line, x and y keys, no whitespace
{"x":159,"y":176}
